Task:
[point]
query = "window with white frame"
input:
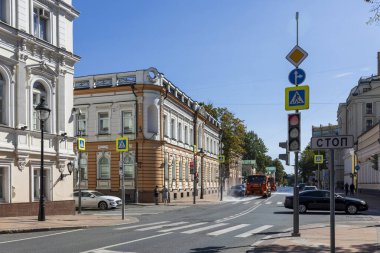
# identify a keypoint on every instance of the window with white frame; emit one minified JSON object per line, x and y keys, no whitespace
{"x":187,"y":172}
{"x":166,"y":167}
{"x":129,"y":167}
{"x":153,"y":119}
{"x":180,"y":131}
{"x":368,"y":124}
{"x":41,"y":23}
{"x":39,"y":93}
{"x":104,"y":168}
{"x":186,"y":135}
{"x":368,"y":108}
{"x":172,"y":128}
{"x":200,"y":135}
{"x":207,"y":144}
{"x":181,"y":169}
{"x":174,"y":173}
{"x":127,"y":122}
{"x":191,"y":136}
{"x":36,"y":184}
{"x":166,"y":125}
{"x":81,"y":124}
{"x":2,"y":100}
{"x":103,"y":123}
{"x":83,"y":166}
{"x":3,"y":10}
{"x":2,"y":184}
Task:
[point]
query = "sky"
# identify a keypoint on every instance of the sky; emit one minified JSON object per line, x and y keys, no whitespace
{"x":231,"y":53}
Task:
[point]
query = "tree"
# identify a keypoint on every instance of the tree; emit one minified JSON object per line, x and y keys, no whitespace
{"x":255,"y":149}
{"x":375,"y":9}
{"x":306,"y":163}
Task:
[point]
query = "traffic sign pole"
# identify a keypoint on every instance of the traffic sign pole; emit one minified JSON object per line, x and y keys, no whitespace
{"x":332,"y":202}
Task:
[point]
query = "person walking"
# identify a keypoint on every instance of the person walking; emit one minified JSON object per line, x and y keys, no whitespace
{"x":165,"y":195}
{"x":156,"y":193}
{"x":346,"y":188}
{"x":352,"y":189}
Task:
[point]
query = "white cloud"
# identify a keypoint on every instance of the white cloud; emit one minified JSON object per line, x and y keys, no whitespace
{"x":343,"y":74}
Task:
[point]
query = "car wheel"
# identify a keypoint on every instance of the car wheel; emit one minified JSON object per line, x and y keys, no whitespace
{"x":102,"y":205}
{"x":302,"y":208}
{"x":351,"y":209}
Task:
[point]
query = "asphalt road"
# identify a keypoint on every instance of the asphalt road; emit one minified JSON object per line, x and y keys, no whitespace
{"x":229,"y":226}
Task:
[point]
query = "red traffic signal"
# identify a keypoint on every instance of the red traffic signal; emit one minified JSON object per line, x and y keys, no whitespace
{"x":294,"y":132}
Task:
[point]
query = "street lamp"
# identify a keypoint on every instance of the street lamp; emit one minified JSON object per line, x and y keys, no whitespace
{"x":43,"y":113}
{"x":70,"y":168}
{"x":201,"y":153}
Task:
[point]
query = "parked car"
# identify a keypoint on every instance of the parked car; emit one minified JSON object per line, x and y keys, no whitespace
{"x":309,"y":188}
{"x":301,"y":186}
{"x":94,"y":199}
{"x":237,"y":190}
{"x":320,"y":200}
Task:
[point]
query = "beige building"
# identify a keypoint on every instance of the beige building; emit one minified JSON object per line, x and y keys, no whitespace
{"x":36,"y":61}
{"x":162,"y":124}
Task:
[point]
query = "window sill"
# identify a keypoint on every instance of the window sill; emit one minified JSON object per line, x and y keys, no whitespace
{"x":105,"y":134}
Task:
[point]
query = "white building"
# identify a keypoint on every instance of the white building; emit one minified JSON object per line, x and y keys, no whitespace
{"x":36,"y":61}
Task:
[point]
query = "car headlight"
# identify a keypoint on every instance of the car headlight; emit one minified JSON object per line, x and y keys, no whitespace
{"x":362,"y":202}
{"x":110,"y":200}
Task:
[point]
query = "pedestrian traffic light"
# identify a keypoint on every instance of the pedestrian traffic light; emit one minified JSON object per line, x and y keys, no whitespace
{"x":285,"y":156}
{"x":375,"y":161}
{"x":294,"y":132}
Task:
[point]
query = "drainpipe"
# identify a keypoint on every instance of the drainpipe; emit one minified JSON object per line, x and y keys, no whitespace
{"x":137,"y":145}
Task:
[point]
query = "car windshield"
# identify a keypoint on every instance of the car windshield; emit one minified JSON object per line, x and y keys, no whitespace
{"x":97,"y":193}
{"x":256,"y":179}
{"x":236,"y":187}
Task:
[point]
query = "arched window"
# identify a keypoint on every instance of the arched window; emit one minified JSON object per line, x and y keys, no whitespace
{"x":39,"y":93}
{"x":152,"y":119}
{"x":200,"y":133}
{"x":174,"y":169}
{"x":2,"y":100}
{"x":104,"y":168}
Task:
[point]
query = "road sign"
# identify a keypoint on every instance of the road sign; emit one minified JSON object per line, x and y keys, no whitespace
{"x":296,"y":56}
{"x":297,"y":98}
{"x":332,"y":142}
{"x":82,"y":144}
{"x":249,"y":162}
{"x":122,"y":144}
{"x":195,"y":149}
{"x":297,"y":76}
{"x":357,"y":167}
{"x":221,"y":159}
{"x":318,"y":159}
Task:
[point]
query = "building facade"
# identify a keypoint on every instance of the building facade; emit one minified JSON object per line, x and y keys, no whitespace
{"x":36,"y":62}
{"x":164,"y":127}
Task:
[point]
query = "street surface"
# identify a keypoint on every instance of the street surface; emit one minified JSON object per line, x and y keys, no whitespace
{"x":229,"y":226}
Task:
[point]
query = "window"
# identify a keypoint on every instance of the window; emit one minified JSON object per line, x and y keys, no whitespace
{"x":187,"y":170}
{"x":41,"y":21}
{"x":174,"y":176}
{"x":39,"y":93}
{"x":103,"y":122}
{"x":2,"y":184}
{"x":200,"y":133}
{"x":368,"y":108}
{"x":191,"y":136}
{"x":3,"y":10}
{"x":104,"y":168}
{"x":181,"y":169}
{"x":368,"y":124}
{"x":207,"y":145}
{"x":81,"y":124}
{"x":166,"y":167}
{"x":179,"y":132}
{"x":127,"y":122}
{"x":129,"y":168}
{"x":172,"y":128}
{"x":83,"y":166}
{"x":186,"y":135}
{"x":166,"y":125}
{"x":2,"y":99}
{"x":152,"y":119}
{"x":36,"y":183}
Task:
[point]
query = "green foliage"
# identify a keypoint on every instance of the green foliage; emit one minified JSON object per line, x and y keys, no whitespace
{"x":375,"y":9}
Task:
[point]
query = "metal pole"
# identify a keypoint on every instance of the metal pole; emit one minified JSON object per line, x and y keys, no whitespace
{"x":332,"y":203}
{"x":194,"y":181}
{"x":201,"y":176}
{"x":297,"y":25}
{"x":41,"y":213}
{"x":80,"y":179}
{"x":319,"y":176}
{"x":122,"y":176}
{"x":296,"y":199}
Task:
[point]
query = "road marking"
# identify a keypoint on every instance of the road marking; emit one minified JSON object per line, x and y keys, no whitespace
{"x":268,"y":203}
{"x":204,"y":228}
{"x":41,"y":236}
{"x":182,"y":227}
{"x":236,"y":202}
{"x":109,"y":251}
{"x":254,"y":231}
{"x":161,"y":226}
{"x":141,"y":225}
{"x":123,"y":243}
{"x":280,"y":203}
{"x":246,"y":202}
{"x":226,"y":230}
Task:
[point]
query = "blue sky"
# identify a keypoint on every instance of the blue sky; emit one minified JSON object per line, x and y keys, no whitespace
{"x":232,"y":53}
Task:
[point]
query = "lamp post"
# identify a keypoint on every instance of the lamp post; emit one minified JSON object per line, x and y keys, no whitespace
{"x":201,"y":153}
{"x":43,"y":113}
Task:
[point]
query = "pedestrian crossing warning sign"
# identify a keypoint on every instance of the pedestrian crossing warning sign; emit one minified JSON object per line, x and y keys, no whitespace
{"x":82,"y":144}
{"x":297,"y":98}
{"x":318,"y":159}
{"x":122,"y":144}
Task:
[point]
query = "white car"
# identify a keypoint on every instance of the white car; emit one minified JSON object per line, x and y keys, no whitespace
{"x":94,"y":199}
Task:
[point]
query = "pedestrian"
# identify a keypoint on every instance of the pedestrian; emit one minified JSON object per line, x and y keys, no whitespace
{"x":156,"y":193}
{"x":352,"y":189}
{"x":165,"y":195}
{"x":346,"y":188}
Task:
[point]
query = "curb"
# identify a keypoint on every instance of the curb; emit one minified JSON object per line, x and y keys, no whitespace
{"x":28,"y":230}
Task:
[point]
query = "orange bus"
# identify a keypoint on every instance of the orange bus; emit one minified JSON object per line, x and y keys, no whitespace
{"x":272,"y":182}
{"x":258,"y":185}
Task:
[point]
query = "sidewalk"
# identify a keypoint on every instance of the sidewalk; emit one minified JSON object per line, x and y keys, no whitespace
{"x":358,"y":237}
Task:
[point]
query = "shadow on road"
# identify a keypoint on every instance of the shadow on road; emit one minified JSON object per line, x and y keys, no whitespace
{"x":317,"y":213}
{"x":364,"y":248}
{"x":216,"y":249}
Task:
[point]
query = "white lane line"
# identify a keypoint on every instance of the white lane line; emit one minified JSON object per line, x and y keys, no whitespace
{"x":226,"y":230}
{"x":161,"y":226}
{"x":254,"y":231}
{"x":41,"y":236}
{"x":268,"y":203}
{"x":123,"y":243}
{"x":141,"y":225}
{"x":280,"y":203}
{"x":204,"y":228}
{"x":246,"y":202}
{"x":236,"y":202}
{"x":109,"y":251}
{"x":182,"y":227}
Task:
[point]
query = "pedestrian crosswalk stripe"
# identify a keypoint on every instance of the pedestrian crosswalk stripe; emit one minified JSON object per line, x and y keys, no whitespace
{"x":279,"y":203}
{"x":204,"y":228}
{"x":268,"y":203}
{"x":182,"y":227}
{"x":141,"y":225}
{"x":161,"y":226}
{"x":235,"y":203}
{"x":246,"y":202}
{"x":254,"y":231}
{"x":226,"y":230}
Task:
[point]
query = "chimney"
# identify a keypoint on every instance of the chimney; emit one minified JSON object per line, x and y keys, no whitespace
{"x":378,"y":63}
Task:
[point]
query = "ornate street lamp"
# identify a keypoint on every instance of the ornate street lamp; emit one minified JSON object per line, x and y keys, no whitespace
{"x":202,"y":154}
{"x":43,"y":113}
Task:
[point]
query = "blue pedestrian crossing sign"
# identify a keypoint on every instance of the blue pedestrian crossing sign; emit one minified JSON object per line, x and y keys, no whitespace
{"x":297,"y":98}
{"x":82,"y":144}
{"x":122,"y":144}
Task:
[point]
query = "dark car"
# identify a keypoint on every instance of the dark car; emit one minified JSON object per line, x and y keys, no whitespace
{"x":309,"y":188}
{"x":320,"y":200}
{"x":237,"y":190}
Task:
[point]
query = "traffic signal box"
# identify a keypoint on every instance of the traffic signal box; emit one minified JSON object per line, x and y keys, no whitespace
{"x":375,"y":161}
{"x":285,"y":156}
{"x":294,"y":132}
{"x":192,"y":168}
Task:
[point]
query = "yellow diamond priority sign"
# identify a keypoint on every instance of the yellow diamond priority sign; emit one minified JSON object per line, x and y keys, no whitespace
{"x":296,"y":56}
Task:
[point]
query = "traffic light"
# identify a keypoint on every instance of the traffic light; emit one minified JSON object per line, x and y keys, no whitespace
{"x":375,"y":161}
{"x":196,"y":177}
{"x":285,"y":156}
{"x":192,"y":168}
{"x":294,"y":132}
